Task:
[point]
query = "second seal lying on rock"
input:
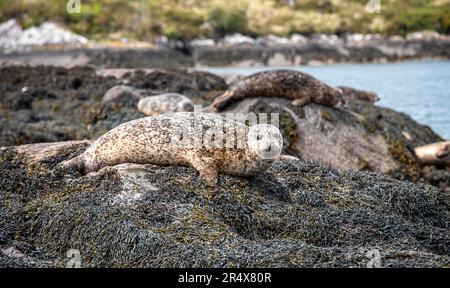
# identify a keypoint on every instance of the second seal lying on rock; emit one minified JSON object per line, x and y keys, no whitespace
{"x":165,"y":103}
{"x":299,"y":87}
{"x":207,"y":142}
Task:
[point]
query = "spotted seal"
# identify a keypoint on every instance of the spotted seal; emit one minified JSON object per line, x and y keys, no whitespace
{"x":125,"y":91}
{"x":165,"y":103}
{"x":207,"y":142}
{"x":299,"y":87}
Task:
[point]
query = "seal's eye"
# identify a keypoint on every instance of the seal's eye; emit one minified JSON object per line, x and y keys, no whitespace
{"x":259,"y":137}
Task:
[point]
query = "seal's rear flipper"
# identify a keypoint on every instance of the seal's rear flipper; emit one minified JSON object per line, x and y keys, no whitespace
{"x":74,"y":164}
{"x":222,"y":100}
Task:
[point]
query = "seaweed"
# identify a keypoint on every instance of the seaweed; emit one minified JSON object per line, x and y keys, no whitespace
{"x":297,"y":214}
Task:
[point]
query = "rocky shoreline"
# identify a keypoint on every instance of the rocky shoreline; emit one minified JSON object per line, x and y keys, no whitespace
{"x":314,"y":50}
{"x":325,"y":49}
{"x":326,"y":206}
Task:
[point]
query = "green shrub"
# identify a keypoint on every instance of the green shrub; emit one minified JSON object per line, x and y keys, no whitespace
{"x":143,"y":19}
{"x":445,"y":23}
{"x":416,"y":19}
{"x":227,"y":20}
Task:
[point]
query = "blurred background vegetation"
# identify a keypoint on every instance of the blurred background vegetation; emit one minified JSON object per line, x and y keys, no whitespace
{"x":144,"y":19}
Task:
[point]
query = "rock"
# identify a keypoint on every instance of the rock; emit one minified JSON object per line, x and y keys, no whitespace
{"x":124,"y":91}
{"x":190,"y":83}
{"x":400,"y":125}
{"x":298,"y":39}
{"x":14,"y":38}
{"x":50,"y":34}
{"x":238,"y":39}
{"x":359,"y":137}
{"x":326,"y":39}
{"x":10,"y":28}
{"x":203,"y":43}
{"x":357,"y":37}
{"x":23,"y":255}
{"x":423,"y":35}
{"x":273,"y":40}
{"x":337,"y":138}
{"x":298,"y":214}
{"x":61,"y":104}
{"x":38,"y":153}
{"x":10,"y":32}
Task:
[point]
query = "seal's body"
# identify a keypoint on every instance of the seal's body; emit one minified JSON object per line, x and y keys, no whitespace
{"x":165,"y":103}
{"x":434,"y":154}
{"x":124,"y":91}
{"x":299,"y":87}
{"x":186,"y":139}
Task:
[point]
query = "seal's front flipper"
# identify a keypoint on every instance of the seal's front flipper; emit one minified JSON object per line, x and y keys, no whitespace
{"x":301,"y":102}
{"x":210,"y":175}
{"x":207,"y":169}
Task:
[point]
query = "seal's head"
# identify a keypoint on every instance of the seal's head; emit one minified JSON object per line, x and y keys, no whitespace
{"x":185,"y":106}
{"x":265,"y":141}
{"x":330,"y":96}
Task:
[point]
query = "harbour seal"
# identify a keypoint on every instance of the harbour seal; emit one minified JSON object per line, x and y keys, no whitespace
{"x":120,"y":91}
{"x":299,"y":87}
{"x":434,"y":154}
{"x":207,"y":142}
{"x":165,"y":103}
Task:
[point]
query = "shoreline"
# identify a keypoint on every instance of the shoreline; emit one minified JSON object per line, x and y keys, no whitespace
{"x":311,"y":53}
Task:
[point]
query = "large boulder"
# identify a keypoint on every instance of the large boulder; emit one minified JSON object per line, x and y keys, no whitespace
{"x":358,"y":136}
